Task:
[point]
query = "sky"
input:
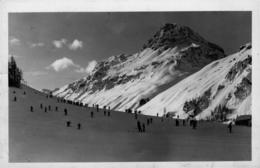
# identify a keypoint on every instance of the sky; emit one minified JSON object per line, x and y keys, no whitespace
{"x":54,"y":49}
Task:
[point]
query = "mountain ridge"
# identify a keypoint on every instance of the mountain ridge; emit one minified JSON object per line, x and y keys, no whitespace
{"x":121,"y":81}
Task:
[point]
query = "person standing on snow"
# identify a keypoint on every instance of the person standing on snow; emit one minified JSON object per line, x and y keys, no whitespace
{"x":230,"y":127}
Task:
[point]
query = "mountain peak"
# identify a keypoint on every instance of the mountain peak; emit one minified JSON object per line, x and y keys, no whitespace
{"x":171,"y":35}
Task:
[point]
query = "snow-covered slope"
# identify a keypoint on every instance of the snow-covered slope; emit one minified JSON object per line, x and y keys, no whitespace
{"x":41,"y":136}
{"x":221,"y":89}
{"x":122,"y":81}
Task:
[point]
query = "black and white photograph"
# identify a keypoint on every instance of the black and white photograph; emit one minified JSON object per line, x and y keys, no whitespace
{"x":130,"y":86}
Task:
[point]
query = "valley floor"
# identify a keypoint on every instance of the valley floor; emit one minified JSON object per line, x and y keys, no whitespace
{"x":43,"y":137}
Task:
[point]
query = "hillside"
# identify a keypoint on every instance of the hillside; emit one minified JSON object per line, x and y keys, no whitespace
{"x":220,"y":90}
{"x":128,"y":81}
{"x":41,"y":136}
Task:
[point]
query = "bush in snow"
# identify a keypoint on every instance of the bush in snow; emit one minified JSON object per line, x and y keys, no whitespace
{"x":198,"y":104}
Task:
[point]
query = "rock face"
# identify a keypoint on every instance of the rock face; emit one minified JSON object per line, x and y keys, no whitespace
{"x":123,"y":81}
{"x":171,"y":35}
{"x":220,"y":90}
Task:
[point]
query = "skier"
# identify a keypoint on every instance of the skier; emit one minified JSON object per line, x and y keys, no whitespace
{"x":65,"y":112}
{"x":15,"y":98}
{"x":31,"y":108}
{"x":230,"y":127}
{"x":56,"y":108}
{"x":41,"y":106}
{"x":177,"y":122}
{"x":79,"y":126}
{"x":97,"y":107}
{"x":105,"y":112}
{"x":139,"y":126}
{"x":194,"y":124}
{"x":148,"y":121}
{"x":45,"y":109}
{"x":92,"y":114}
{"x":191,"y":122}
{"x":108,"y":113}
{"x":143,"y":127}
{"x":68,"y":123}
{"x":49,"y":108}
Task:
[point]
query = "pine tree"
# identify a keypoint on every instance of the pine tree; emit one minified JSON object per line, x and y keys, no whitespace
{"x":14,"y":73}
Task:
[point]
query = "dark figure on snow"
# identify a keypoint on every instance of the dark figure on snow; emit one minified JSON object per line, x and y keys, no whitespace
{"x":105,"y":112}
{"x":157,"y":115}
{"x":135,"y":116}
{"x":97,"y":108}
{"x":56,"y":108}
{"x":108,"y":113}
{"x":148,"y":121}
{"x":65,"y":112}
{"x":31,"y":108}
{"x":24,"y":93}
{"x":143,"y":127}
{"x":79,"y":126}
{"x":230,"y":127}
{"x":194,"y":124}
{"x":49,"y":108}
{"x":15,"y":98}
{"x":68,"y":123}
{"x":41,"y":106}
{"x":45,"y":109}
{"x":139,"y":126}
{"x":191,"y":122}
{"x":92,"y":114}
{"x":177,"y":122}
{"x":151,"y":120}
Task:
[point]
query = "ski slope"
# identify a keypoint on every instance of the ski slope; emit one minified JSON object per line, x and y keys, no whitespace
{"x":43,"y":137}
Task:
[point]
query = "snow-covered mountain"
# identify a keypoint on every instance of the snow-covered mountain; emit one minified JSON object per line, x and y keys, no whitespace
{"x":221,"y":89}
{"x":129,"y":81}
